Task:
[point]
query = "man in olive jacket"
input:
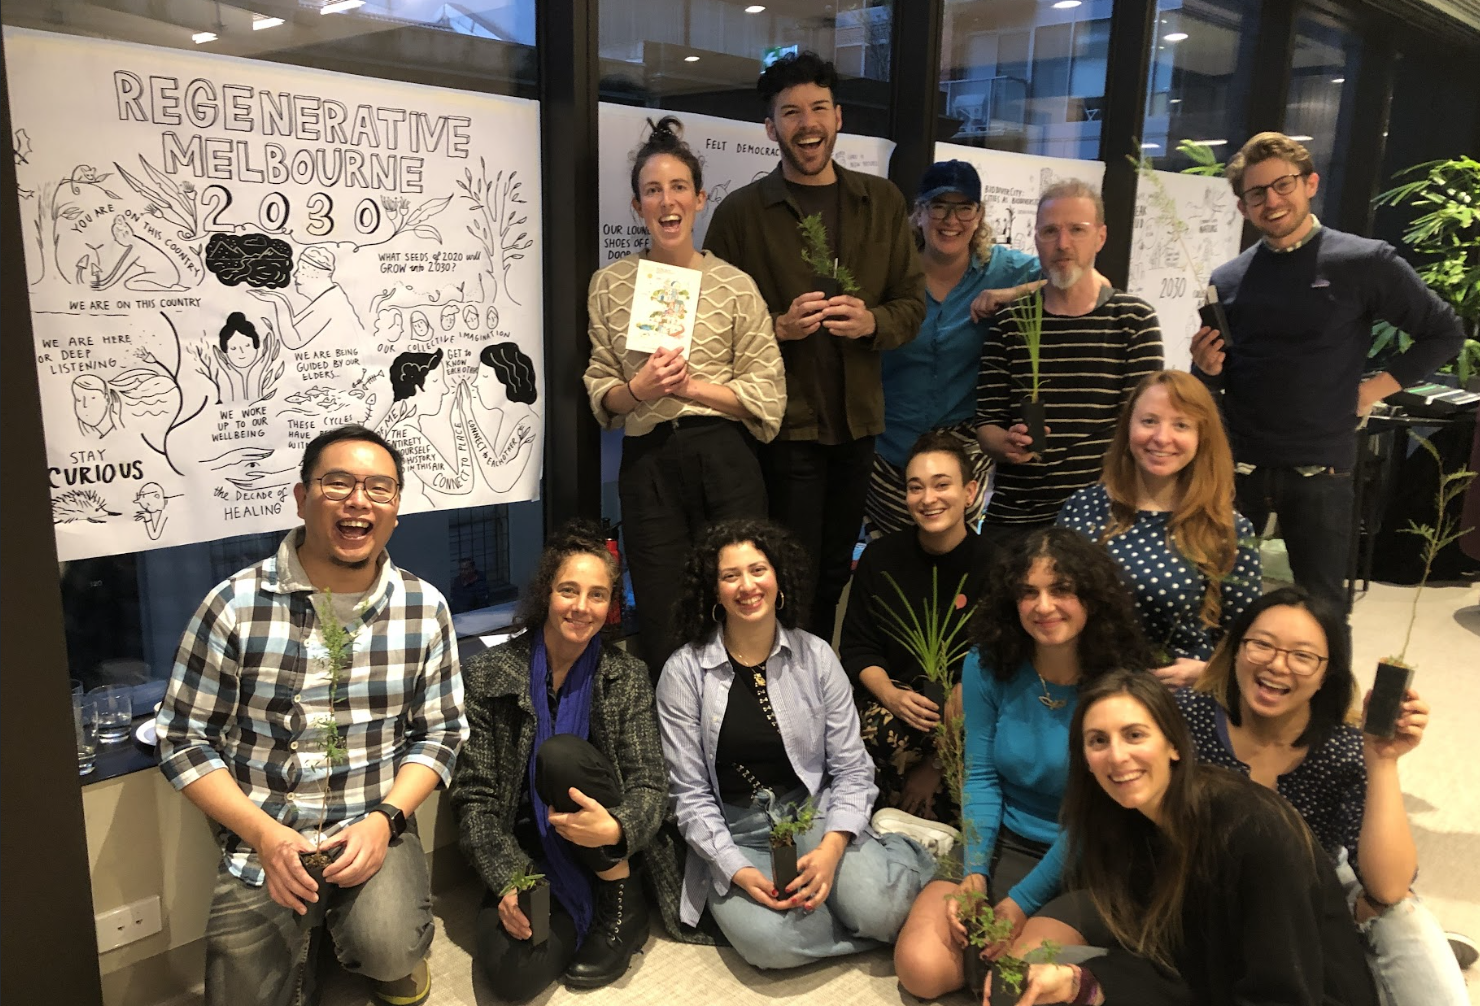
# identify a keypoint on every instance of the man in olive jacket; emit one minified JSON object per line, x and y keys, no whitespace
{"x":818,"y":466}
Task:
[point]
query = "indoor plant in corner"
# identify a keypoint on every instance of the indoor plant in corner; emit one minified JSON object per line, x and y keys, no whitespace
{"x":828,"y":274}
{"x":784,"y":833}
{"x":1394,"y":674}
{"x":339,"y":645}
{"x":984,"y":929}
{"x":1027,"y":315}
{"x":534,"y":902}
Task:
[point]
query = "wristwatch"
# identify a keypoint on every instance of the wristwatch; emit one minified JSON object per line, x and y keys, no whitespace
{"x":394,"y":816}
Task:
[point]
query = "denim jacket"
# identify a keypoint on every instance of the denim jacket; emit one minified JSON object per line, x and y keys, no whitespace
{"x":808,"y":690}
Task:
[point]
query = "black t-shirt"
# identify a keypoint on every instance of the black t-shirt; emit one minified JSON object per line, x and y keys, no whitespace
{"x":747,"y":737}
{"x":830,"y":391}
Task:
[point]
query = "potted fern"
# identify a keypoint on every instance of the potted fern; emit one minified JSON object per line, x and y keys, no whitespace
{"x":828,"y":274}
{"x":339,"y":647}
{"x":784,"y":834}
{"x":984,"y":929}
{"x":534,"y":902}
{"x":1027,"y":315}
{"x":1395,"y":674}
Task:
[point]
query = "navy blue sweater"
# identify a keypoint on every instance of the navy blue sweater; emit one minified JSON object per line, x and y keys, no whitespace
{"x":1302,"y":325}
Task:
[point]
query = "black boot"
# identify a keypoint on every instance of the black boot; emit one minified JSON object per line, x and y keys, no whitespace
{"x":619,"y":928}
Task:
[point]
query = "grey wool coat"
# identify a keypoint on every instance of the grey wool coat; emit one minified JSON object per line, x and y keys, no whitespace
{"x":494,"y":763}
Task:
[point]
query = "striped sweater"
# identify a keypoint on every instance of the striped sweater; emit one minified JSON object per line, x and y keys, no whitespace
{"x":1088,"y":367}
{"x":734,"y":346}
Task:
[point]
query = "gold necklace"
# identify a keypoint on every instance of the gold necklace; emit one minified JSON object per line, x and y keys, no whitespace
{"x":1045,"y":698}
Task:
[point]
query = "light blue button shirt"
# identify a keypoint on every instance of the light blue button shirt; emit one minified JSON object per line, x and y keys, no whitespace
{"x":813,"y":703}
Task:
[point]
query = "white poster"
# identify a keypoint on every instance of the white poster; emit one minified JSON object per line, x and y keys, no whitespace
{"x":1012,"y":183}
{"x":733,"y":154}
{"x":1186,"y":226}
{"x":227,"y":256}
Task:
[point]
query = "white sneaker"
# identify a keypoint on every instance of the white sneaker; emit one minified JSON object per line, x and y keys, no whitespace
{"x":1465,"y":951}
{"x":938,"y":839}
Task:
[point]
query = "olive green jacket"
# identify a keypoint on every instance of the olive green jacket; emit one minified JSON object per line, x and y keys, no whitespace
{"x":755,"y":229}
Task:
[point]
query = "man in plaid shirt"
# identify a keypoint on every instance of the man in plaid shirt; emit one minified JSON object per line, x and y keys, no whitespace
{"x":293,"y":739}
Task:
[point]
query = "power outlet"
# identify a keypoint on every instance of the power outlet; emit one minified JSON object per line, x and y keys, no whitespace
{"x":124,"y":925}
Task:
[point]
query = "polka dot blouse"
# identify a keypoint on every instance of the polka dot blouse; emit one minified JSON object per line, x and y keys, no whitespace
{"x":1168,"y":589}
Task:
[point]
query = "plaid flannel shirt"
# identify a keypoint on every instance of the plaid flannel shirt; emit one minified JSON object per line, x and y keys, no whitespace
{"x":250,"y":691}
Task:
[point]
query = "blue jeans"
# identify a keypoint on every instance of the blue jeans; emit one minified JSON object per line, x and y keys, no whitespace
{"x":876,"y":883}
{"x":1407,"y":951}
{"x":257,"y":952}
{"x":1315,"y":520}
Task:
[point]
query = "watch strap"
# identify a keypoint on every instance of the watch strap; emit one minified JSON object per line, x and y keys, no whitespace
{"x":394,"y":815}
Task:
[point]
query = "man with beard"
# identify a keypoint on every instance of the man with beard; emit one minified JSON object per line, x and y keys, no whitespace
{"x":315,"y":703}
{"x":818,"y":466}
{"x":1096,"y":346}
{"x":1300,"y":304}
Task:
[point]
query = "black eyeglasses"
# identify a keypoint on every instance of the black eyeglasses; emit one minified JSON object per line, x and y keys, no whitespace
{"x":341,"y":485}
{"x":962,"y":211}
{"x":1301,"y":662}
{"x":1284,"y":185}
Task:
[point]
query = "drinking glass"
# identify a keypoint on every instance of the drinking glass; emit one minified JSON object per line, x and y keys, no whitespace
{"x":85,"y":727}
{"x":115,"y":712}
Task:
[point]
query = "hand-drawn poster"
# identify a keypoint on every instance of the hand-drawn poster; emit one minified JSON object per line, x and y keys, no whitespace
{"x":1012,"y":183}
{"x":1186,"y":226}
{"x":226,"y":257}
{"x":733,"y":153}
{"x":665,"y":303}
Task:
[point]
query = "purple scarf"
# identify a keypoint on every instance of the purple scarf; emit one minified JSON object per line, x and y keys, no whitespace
{"x":568,"y":879}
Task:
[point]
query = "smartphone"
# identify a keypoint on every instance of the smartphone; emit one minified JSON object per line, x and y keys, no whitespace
{"x":1386,"y":703}
{"x":1212,"y":315}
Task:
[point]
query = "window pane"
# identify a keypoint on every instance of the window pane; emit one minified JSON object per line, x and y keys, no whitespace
{"x":1195,"y":91}
{"x":1322,"y":81}
{"x":705,"y":55}
{"x":1029,"y":78}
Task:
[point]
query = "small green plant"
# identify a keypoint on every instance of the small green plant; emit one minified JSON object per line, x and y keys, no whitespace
{"x":984,"y":928}
{"x":1027,"y":314}
{"x":1204,"y":161}
{"x":817,"y":253}
{"x":794,"y":821}
{"x":1436,"y":536}
{"x":338,"y":653}
{"x":521,"y":881}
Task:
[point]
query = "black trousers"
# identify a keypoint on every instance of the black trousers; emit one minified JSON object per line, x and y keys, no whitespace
{"x":817,"y":492}
{"x":674,"y":482}
{"x":517,"y":970}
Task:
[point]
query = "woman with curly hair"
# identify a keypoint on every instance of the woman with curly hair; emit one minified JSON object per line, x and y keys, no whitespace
{"x":1055,"y":618}
{"x":1164,"y":509}
{"x":562,"y":775}
{"x":758,"y":720}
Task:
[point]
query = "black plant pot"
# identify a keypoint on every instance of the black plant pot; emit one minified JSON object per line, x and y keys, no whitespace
{"x":1033,"y":418}
{"x":1386,"y":704}
{"x":976,"y":972}
{"x":783,"y":868}
{"x":316,"y":862}
{"x":828,"y":285}
{"x":535,"y":904}
{"x":932,"y":690}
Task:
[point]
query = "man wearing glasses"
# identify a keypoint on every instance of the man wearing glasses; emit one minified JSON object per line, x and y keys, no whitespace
{"x":1300,"y":304}
{"x":1096,"y":345}
{"x":315,"y":703}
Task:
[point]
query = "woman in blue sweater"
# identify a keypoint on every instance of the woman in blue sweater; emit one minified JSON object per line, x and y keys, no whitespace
{"x":1055,"y":618}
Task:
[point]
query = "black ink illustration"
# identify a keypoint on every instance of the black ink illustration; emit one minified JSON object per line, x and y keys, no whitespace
{"x":421,"y":327}
{"x":63,"y":213}
{"x":397,"y":209}
{"x":354,"y":404}
{"x":176,"y":203}
{"x":419,"y":387}
{"x":388,"y":326}
{"x":80,"y":504}
{"x":505,"y":379}
{"x":492,"y":318}
{"x":151,"y":502}
{"x":254,"y":259}
{"x":470,"y":317}
{"x":251,"y":469}
{"x":138,"y":263}
{"x":97,"y":405}
{"x":243,"y":366}
{"x":497,"y":203}
{"x":327,"y":309}
{"x":142,"y":379}
{"x":449,"y":317}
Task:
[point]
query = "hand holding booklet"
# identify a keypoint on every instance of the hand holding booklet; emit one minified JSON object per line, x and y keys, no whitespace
{"x":665,"y":304}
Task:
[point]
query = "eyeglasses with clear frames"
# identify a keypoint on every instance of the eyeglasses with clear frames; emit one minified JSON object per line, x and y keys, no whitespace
{"x":1300,"y":662}
{"x":1077,"y":231}
{"x":962,"y":211}
{"x":1284,"y":185}
{"x":338,"y":486}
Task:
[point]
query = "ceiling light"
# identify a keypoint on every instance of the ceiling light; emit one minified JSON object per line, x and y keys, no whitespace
{"x":259,"y":22}
{"x":1175,"y":101}
{"x":1338,"y":80}
{"x":340,"y":6}
{"x":754,"y":8}
{"x":203,"y":36}
{"x":1067,"y":4}
{"x":1175,"y":36}
{"x":1211,"y":143}
{"x":691,"y":59}
{"x":1302,"y":138}
{"x":1151,"y":146}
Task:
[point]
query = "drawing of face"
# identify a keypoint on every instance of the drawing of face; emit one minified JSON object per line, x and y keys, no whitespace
{"x":421,"y":327}
{"x":470,"y":316}
{"x":449,"y":317}
{"x":429,"y":400}
{"x":490,"y":389}
{"x":240,"y":351}
{"x":122,"y":232}
{"x":492,"y":317}
{"x":150,"y":497}
{"x":310,"y":280}
{"x":90,"y":400}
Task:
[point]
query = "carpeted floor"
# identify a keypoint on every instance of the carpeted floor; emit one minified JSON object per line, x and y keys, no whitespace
{"x":1441,"y":780}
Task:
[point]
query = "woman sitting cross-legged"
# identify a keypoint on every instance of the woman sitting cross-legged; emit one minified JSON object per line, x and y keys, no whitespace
{"x":1213,"y":889}
{"x":1164,"y":509}
{"x":1271,"y":706}
{"x":1055,"y":618}
{"x":758,"y":719}
{"x":929,"y":575}
{"x":563,"y":776}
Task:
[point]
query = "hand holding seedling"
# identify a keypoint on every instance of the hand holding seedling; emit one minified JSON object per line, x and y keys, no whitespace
{"x":988,"y":302}
{"x":803,"y":317}
{"x":1008,"y":911}
{"x":591,"y":827}
{"x":849,"y":318}
{"x":1016,"y":450}
{"x":1413,"y":717}
{"x":1207,"y":351}
{"x":815,"y":871}
{"x":512,"y":919}
{"x":971,"y":884}
{"x":663,"y":374}
{"x":756,"y":884}
{"x":288,"y":883}
{"x":910,"y":706}
{"x":364,"y":843}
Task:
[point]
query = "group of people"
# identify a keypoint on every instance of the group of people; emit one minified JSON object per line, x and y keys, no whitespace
{"x":1138,"y":754}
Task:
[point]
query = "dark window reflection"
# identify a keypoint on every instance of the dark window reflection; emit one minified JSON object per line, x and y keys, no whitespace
{"x":1201,"y":65}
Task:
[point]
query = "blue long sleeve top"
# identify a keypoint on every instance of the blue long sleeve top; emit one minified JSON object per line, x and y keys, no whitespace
{"x":1017,"y":764}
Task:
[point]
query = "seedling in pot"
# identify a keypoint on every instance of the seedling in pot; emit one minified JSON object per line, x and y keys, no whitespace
{"x":1395,"y":674}
{"x":829,"y":275}
{"x":784,"y":834}
{"x":534,"y":902}
{"x":339,"y":648}
{"x":985,"y":929}
{"x":1027,"y":315}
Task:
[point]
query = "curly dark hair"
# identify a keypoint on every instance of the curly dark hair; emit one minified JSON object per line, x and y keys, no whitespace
{"x":1112,"y":633}
{"x":666,"y":137}
{"x":575,"y":537}
{"x":805,"y":67}
{"x":695,"y":619}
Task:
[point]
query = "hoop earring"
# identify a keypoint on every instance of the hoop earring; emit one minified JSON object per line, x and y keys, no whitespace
{"x":780,"y":599}
{"x":714,"y":612}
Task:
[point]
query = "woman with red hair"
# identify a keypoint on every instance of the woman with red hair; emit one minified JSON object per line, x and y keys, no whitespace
{"x":1164,"y":509}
